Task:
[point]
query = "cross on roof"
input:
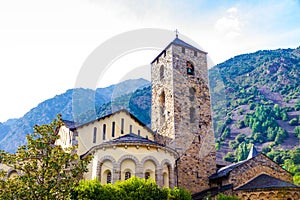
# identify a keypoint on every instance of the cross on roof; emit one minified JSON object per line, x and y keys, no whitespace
{"x":176,"y":31}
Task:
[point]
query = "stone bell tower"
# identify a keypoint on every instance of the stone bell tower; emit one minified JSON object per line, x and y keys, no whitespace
{"x":181,"y":112}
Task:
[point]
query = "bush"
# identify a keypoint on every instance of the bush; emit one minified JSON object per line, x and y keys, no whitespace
{"x":225,"y":197}
{"x":133,"y":188}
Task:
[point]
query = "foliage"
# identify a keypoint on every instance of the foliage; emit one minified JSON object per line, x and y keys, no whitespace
{"x":46,"y":171}
{"x":225,"y":197}
{"x":293,"y":122}
{"x":133,"y":188}
{"x":229,"y":157}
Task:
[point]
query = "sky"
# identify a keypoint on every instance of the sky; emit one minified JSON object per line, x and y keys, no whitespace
{"x":43,"y":44}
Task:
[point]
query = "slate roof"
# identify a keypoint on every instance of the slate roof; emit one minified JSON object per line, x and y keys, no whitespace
{"x":225,"y":171}
{"x":71,"y":125}
{"x":265,"y":181}
{"x":131,"y":138}
{"x":179,"y":42}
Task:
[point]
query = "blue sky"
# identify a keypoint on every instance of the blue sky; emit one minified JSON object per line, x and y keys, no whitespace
{"x":43,"y":44}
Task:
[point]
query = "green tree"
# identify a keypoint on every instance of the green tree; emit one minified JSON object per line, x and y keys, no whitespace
{"x":293,"y":122}
{"x":297,"y":131}
{"x":229,"y":157}
{"x":46,"y":171}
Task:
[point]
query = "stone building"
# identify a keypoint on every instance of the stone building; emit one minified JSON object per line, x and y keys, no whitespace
{"x":179,"y":149}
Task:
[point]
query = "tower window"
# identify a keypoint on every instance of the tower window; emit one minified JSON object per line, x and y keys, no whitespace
{"x":95,"y":135}
{"x":104,"y":131}
{"x":139,"y":133}
{"x":189,"y":68}
{"x":183,"y":50}
{"x":192,"y":114}
{"x":113,"y":129}
{"x":195,"y":53}
{"x":122,"y":126}
{"x":192,"y":93}
{"x":127,"y":175}
{"x":161,"y":72}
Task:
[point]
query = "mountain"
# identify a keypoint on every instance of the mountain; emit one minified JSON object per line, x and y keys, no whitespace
{"x":72,"y":104}
{"x":255,"y":97}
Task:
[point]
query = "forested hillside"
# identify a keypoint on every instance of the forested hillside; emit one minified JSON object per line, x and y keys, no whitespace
{"x":256,"y":100}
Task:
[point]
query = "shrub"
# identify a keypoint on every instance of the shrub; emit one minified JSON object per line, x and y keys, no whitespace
{"x":225,"y":197}
{"x":133,"y":188}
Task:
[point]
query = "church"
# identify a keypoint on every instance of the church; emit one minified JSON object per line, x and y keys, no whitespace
{"x":179,"y":149}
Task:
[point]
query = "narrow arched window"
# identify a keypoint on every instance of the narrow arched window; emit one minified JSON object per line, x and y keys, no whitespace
{"x":113,"y":129}
{"x":108,"y":177}
{"x":192,"y":93}
{"x":95,"y":135}
{"x":130,"y":128}
{"x":189,"y":68}
{"x":104,"y":131}
{"x":192,"y":114}
{"x":147,"y":175}
{"x":162,"y":99}
{"x":127,"y":175}
{"x":122,"y":126}
{"x":161,"y":72}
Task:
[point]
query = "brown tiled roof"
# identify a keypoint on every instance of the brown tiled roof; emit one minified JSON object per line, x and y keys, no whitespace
{"x":265,"y":181}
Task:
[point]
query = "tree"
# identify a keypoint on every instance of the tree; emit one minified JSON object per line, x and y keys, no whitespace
{"x":293,"y":122}
{"x":297,"y":131}
{"x":46,"y":171}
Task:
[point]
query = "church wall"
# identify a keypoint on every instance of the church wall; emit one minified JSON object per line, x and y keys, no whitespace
{"x":162,"y":117}
{"x":274,"y":194}
{"x":195,"y":136}
{"x":254,"y":167}
{"x":66,"y":138}
{"x":136,"y":159}
{"x":86,"y":132}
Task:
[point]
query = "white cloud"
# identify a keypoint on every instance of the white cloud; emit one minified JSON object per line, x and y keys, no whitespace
{"x":230,"y":24}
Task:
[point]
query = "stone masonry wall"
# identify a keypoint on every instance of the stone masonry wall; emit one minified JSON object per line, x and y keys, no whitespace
{"x":187,"y":127}
{"x":254,"y":167}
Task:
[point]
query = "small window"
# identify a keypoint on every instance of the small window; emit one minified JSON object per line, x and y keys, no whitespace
{"x":192,"y":93}
{"x":122,"y":126}
{"x":104,"y":131}
{"x":139,"y":133}
{"x":95,"y":135}
{"x":192,"y":115}
{"x":108,"y":177}
{"x":161,"y":72}
{"x":147,"y":175}
{"x":189,"y":68}
{"x":195,"y":53}
{"x":127,"y":175}
{"x":130,"y":129}
{"x":183,"y":50}
{"x":113,"y":129}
